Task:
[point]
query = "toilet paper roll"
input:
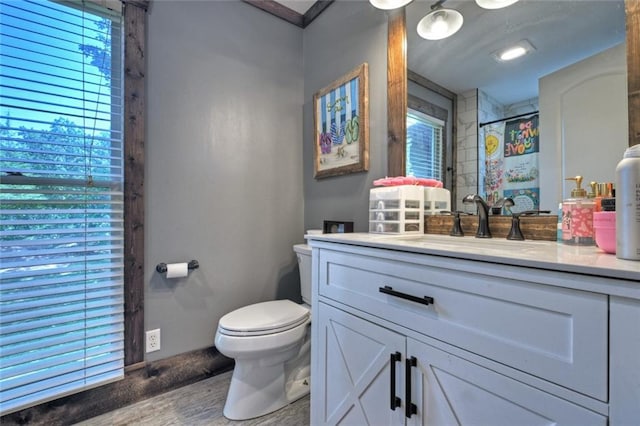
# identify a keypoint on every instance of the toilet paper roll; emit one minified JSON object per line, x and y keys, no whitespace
{"x":177,"y":270}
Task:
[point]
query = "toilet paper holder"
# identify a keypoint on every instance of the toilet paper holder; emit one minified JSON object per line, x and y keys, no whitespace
{"x":162,"y":267}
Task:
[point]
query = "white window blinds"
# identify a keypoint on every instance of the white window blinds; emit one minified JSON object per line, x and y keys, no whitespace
{"x":425,"y":150}
{"x":61,"y":200}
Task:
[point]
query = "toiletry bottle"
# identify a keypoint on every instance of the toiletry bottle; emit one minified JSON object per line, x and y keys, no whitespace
{"x":628,"y":205}
{"x":596,"y":195}
{"x":577,"y":216}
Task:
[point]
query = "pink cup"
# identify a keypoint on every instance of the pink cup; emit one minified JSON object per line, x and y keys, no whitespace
{"x":604,"y":228}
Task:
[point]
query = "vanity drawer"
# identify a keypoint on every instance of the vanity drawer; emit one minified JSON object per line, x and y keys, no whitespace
{"x":551,"y":332}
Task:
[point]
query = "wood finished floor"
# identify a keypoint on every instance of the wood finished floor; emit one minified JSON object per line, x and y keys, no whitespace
{"x":198,"y":404}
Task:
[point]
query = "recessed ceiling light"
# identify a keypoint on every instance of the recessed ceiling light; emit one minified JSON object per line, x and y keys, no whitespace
{"x":495,"y":4}
{"x":512,"y":52}
{"x":389,"y":4}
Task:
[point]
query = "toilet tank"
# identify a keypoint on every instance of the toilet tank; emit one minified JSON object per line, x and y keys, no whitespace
{"x":303,"y":253}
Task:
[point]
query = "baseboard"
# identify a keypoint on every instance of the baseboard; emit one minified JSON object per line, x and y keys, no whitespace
{"x":141,"y":381}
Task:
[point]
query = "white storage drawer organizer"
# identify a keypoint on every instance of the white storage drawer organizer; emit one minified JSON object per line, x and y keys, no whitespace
{"x":436,"y":200}
{"x":396,"y":209}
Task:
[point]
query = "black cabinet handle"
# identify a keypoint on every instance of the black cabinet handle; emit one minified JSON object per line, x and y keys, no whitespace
{"x":410,"y":407}
{"x":425,"y":300}
{"x":395,"y":401}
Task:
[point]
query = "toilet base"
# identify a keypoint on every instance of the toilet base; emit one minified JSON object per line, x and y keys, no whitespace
{"x":256,"y":390}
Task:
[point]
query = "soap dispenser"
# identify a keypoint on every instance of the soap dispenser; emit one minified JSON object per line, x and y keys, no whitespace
{"x":577,"y":216}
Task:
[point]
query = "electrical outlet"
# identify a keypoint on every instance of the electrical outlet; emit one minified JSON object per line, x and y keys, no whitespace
{"x":152,"y":340}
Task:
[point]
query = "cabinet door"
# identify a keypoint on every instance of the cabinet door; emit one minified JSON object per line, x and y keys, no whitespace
{"x":351,"y":384}
{"x":452,"y":391}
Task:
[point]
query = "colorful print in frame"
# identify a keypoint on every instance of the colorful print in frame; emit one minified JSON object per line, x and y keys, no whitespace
{"x":341,"y":125}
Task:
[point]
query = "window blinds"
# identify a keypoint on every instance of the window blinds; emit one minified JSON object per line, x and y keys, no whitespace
{"x":61,"y":200}
{"x":424,"y":153}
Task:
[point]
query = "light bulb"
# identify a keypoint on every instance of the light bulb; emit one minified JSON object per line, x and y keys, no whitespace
{"x":389,"y":4}
{"x":495,"y":4}
{"x":513,"y":53}
{"x":439,"y":26}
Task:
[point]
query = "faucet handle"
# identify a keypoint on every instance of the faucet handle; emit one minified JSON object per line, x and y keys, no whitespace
{"x":515,"y":233}
{"x":456,"y":230}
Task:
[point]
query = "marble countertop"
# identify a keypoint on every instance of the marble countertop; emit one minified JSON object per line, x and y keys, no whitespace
{"x":535,"y":254}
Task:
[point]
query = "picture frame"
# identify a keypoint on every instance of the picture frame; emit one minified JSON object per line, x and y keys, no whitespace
{"x":341,"y":125}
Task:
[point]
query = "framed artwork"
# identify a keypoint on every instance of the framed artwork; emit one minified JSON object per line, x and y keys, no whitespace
{"x":341,"y":125}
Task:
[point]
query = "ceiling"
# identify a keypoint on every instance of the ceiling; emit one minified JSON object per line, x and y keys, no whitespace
{"x":563,"y":32}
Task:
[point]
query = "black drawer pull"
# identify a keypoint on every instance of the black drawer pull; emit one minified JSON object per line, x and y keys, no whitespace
{"x":395,"y":401}
{"x":410,"y":408}
{"x":426,"y":300}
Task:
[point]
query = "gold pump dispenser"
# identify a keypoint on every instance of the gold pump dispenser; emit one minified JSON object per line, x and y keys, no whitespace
{"x":578,"y":191}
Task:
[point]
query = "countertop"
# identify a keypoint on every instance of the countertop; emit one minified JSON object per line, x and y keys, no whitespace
{"x":547,"y":255}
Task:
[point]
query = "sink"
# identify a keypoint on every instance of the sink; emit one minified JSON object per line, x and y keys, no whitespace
{"x":453,"y":243}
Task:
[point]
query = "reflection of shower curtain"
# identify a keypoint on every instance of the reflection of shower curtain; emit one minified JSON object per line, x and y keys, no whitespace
{"x":509,"y":162}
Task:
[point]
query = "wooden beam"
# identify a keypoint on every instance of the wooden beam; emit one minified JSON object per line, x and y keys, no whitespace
{"x":315,"y":11}
{"x":290,"y":15}
{"x":396,"y":93}
{"x":134,"y":128}
{"x":142,"y":4}
{"x":278,"y":10}
{"x":632,"y":8}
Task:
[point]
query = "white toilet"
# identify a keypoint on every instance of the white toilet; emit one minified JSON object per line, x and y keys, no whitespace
{"x":270,"y":342}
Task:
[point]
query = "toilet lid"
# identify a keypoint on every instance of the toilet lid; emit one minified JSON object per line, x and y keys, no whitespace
{"x":273,"y":316}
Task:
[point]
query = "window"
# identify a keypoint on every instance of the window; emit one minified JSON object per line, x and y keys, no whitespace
{"x":61,"y":200}
{"x":424,"y":146}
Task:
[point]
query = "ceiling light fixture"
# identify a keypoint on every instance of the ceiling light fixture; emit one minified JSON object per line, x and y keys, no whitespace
{"x":495,"y":4}
{"x":519,"y":49}
{"x":440,"y":23}
{"x":389,"y":4}
{"x":513,"y":53}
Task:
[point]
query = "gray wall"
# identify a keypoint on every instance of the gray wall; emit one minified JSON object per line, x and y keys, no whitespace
{"x":223,"y":164}
{"x":347,"y":34}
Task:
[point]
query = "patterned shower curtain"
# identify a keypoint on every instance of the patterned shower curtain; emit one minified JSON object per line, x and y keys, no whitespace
{"x":509,"y":162}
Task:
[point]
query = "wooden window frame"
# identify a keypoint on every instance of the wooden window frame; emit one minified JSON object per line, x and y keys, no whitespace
{"x":134,"y":136}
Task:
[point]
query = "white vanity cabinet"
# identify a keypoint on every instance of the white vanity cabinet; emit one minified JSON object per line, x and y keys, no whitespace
{"x":363,"y":379}
{"x":411,"y":338}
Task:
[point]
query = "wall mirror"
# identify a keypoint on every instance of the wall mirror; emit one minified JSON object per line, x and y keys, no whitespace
{"x":464,"y":61}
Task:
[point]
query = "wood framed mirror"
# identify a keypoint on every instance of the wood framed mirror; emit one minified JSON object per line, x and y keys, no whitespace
{"x":397,"y":84}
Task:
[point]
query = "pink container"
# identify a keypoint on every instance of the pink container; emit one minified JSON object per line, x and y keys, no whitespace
{"x":604,"y":228}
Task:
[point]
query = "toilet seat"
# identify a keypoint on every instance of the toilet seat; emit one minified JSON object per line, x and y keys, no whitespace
{"x":263,"y":318}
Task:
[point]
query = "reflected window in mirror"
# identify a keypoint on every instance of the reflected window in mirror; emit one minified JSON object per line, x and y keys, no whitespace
{"x":425,"y":150}
{"x":428,"y":101}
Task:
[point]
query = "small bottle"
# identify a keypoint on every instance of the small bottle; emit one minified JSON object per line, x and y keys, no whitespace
{"x":577,"y":216}
{"x":628,"y":205}
{"x":594,"y":195}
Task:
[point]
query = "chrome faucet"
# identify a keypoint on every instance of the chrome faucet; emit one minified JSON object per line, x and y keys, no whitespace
{"x":483,"y":215}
